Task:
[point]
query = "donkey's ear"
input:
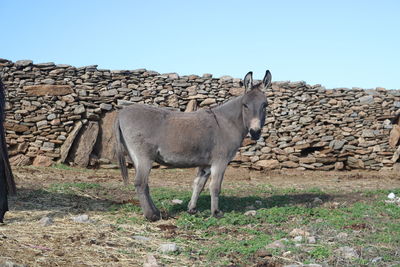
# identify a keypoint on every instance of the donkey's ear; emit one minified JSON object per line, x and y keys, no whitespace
{"x":267,"y":79}
{"x":248,"y":81}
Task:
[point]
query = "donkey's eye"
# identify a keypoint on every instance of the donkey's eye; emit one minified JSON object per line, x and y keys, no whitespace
{"x":245,"y":106}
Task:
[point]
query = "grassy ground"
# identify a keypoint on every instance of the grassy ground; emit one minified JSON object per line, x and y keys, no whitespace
{"x":331,"y":211}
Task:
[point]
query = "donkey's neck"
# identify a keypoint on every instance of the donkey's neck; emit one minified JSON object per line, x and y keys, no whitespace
{"x":231,"y":111}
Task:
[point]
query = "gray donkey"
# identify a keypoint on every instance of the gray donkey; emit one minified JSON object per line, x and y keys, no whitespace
{"x":207,"y":139}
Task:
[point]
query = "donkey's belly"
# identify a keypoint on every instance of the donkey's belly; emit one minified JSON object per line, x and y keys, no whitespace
{"x":182,"y":160}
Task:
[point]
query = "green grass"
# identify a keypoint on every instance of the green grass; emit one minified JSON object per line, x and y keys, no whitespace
{"x":67,"y":188}
{"x":373,"y":226}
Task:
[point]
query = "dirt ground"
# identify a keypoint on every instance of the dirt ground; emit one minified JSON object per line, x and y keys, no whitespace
{"x":24,"y":240}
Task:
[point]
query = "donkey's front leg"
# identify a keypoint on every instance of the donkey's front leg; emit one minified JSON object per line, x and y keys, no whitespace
{"x":217,"y":175}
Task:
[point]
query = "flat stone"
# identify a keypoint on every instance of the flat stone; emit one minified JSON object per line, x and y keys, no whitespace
{"x":168,"y":248}
{"x":48,"y":89}
{"x":68,"y":142}
{"x":20,"y":160}
{"x":141,"y":238}
{"x":151,"y":261}
{"x":347,"y":252}
{"x":46,"y":221}
{"x":105,"y":106}
{"x":268,"y":164}
{"x":276,"y":244}
{"x":83,"y":218}
{"x":297,"y":232}
{"x":368,"y":99}
{"x":207,"y":102}
{"x":84,"y":144}
{"x":105,"y":146}
{"x":23,"y":63}
{"x":177,"y":201}
{"x":42,"y":161}
{"x":250,"y":213}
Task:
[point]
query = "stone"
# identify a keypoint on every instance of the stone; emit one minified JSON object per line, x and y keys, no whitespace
{"x":105,"y":106}
{"x":111,"y":92}
{"x":42,"y":161}
{"x":151,"y":261}
{"x":268,"y":164}
{"x":11,"y":264}
{"x":339,"y":165}
{"x":277,"y":244}
{"x":46,"y":221}
{"x":237,"y":91}
{"x":311,"y":240}
{"x":141,"y":238}
{"x":368,"y":133}
{"x":297,"y":232}
{"x":368,"y":99}
{"x":168,"y":248}
{"x":80,"y":109}
{"x":83,"y":218}
{"x":250,"y":213}
{"x":394,"y":136}
{"x":20,"y":160}
{"x":342,"y":236}
{"x":355,"y":163}
{"x":48,"y":89}
{"x":347,"y":253}
{"x":191,"y":106}
{"x":69,"y":141}
{"x":207,"y":102}
{"x":23,"y":63}
{"x":289,"y":164}
{"x":177,"y":201}
{"x":337,"y":144}
{"x":19,"y":128}
{"x":83,"y":145}
{"x":298,"y":239}
{"x":105,"y":147}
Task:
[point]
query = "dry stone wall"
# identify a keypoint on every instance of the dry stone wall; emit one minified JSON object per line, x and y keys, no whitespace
{"x":65,"y":114}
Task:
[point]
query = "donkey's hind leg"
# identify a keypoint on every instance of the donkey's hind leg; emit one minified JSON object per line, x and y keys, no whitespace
{"x":198,"y":185}
{"x":142,"y":189}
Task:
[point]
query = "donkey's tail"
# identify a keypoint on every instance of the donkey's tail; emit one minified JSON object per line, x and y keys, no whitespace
{"x":120,"y":149}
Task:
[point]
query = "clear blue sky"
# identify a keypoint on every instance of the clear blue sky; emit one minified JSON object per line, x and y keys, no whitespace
{"x":334,"y":43}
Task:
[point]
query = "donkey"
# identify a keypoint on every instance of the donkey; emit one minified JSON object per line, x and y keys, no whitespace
{"x":207,"y":139}
{"x":7,"y":184}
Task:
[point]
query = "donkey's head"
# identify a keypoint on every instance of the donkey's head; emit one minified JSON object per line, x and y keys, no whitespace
{"x":254,"y":104}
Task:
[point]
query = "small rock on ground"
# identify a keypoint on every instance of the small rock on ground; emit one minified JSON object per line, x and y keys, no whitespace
{"x":84,"y":218}
{"x":177,"y":201}
{"x":298,"y":239}
{"x":46,"y":221}
{"x":141,"y":238}
{"x":151,"y":261}
{"x":277,"y":244}
{"x":168,"y":248}
{"x":250,"y":213}
{"x":10,"y":264}
{"x":297,"y":232}
{"x":347,"y":252}
{"x":342,"y":236}
{"x":311,"y":240}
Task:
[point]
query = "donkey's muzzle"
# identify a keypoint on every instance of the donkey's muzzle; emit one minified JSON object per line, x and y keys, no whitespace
{"x":255,"y":135}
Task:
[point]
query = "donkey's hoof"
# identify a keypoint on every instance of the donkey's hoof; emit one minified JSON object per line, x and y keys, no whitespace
{"x":218,"y":214}
{"x":153,"y":216}
{"x":192,"y":211}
